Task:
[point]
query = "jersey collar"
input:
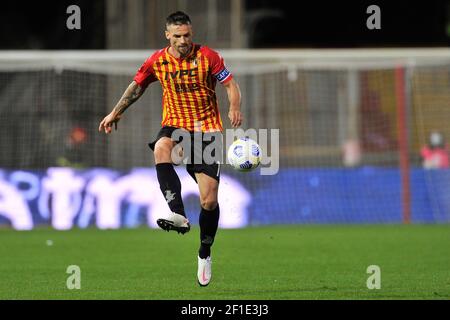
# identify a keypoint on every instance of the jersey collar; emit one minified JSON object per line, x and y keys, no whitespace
{"x":181,"y":59}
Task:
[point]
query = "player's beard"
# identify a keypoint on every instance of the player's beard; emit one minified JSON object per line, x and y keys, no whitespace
{"x":184,"y":50}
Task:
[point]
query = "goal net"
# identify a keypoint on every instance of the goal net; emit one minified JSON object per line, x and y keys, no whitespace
{"x":352,"y":125}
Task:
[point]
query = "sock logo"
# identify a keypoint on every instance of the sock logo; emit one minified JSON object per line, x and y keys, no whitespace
{"x":169,"y":196}
{"x":208,"y":240}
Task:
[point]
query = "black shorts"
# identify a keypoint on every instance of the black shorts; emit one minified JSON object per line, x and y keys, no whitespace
{"x":211,"y":170}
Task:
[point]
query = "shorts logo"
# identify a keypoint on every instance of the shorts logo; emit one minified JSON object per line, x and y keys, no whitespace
{"x":222,"y":75}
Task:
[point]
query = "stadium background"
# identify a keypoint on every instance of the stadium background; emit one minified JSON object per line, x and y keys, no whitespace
{"x":353,"y":107}
{"x":351,"y":122}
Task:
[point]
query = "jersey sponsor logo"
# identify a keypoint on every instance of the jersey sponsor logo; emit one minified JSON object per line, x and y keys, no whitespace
{"x":186,"y":87}
{"x":180,"y":74}
{"x":222,"y":75}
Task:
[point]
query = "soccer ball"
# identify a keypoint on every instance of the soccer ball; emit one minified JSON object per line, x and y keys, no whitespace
{"x":244,"y":154}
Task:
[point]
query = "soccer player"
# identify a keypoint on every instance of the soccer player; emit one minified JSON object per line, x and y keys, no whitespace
{"x":188,"y":73}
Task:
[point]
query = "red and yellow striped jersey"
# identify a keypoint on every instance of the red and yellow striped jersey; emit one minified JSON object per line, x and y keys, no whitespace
{"x":189,"y":97}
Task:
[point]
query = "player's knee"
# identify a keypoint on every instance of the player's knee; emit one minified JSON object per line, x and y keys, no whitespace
{"x":208,"y":204}
{"x":162,"y":151}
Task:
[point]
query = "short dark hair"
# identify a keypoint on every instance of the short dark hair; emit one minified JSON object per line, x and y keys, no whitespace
{"x":178,"y":18}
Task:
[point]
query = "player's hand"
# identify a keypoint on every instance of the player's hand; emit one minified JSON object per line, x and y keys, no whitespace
{"x":108,"y":121}
{"x":235,"y":118}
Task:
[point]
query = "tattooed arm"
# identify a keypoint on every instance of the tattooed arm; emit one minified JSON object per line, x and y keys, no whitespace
{"x":131,"y":94}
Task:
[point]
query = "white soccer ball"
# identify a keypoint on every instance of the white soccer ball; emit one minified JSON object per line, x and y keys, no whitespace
{"x":244,"y":154}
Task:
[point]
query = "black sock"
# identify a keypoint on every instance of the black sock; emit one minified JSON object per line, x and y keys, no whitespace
{"x":209,"y":221}
{"x":170,"y":185}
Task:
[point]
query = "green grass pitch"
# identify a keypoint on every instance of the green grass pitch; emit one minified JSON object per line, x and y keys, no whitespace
{"x":273,"y":262}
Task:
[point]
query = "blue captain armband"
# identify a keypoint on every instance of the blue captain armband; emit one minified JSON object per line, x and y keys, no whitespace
{"x":222,"y":75}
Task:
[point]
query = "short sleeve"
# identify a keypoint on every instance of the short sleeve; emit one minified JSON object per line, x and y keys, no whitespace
{"x":218,"y":68}
{"x":145,"y":75}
